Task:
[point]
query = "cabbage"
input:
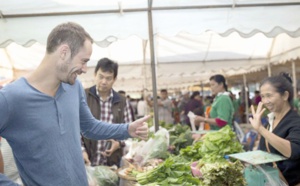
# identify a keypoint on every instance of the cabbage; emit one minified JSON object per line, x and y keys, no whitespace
{"x":105,"y":176}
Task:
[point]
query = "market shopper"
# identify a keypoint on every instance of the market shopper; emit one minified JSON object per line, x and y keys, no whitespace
{"x":222,"y":111}
{"x":109,"y":106}
{"x":184,"y":100}
{"x":142,"y":107}
{"x":165,"y":107}
{"x":43,"y":114}
{"x":282,"y":134}
{"x":194,"y":105}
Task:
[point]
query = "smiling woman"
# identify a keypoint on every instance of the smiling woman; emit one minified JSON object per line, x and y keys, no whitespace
{"x":282,"y":134}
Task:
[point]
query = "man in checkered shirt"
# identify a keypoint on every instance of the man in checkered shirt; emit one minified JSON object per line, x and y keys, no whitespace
{"x":109,"y":106}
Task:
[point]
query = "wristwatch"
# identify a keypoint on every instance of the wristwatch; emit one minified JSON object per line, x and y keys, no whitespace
{"x":122,"y":144}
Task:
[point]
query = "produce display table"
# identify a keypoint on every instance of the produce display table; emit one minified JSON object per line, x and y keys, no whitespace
{"x":125,"y":180}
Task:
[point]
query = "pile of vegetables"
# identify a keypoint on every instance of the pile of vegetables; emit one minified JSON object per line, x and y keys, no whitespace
{"x":210,"y":151}
{"x":213,"y":146}
{"x":192,"y":152}
{"x":165,"y":125}
{"x":162,"y":124}
{"x":222,"y":173}
{"x":101,"y":175}
{"x":173,"y":171}
{"x":180,"y":137}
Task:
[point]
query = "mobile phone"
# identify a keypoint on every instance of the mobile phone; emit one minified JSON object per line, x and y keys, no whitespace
{"x":108,"y":145}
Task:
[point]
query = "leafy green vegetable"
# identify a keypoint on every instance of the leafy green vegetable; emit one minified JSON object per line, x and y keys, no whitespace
{"x":174,"y":171}
{"x":222,"y":173}
{"x":213,"y":145}
{"x":105,"y":176}
{"x":180,"y":137}
{"x":192,"y":152}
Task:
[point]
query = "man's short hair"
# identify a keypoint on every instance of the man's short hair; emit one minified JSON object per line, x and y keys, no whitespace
{"x":69,"y":33}
{"x":107,"y":65}
{"x":163,"y":90}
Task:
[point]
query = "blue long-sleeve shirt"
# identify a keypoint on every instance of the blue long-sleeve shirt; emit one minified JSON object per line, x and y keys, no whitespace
{"x":44,"y":133}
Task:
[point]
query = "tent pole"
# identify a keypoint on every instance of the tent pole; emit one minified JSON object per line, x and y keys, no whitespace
{"x":246,"y":98}
{"x":294,"y":78}
{"x":202,"y":90}
{"x":144,"y":64}
{"x":269,"y":69}
{"x":109,"y":11}
{"x":153,"y":69}
{"x":269,"y":57}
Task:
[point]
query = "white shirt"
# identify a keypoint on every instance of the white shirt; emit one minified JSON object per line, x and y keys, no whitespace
{"x":271,"y":117}
{"x":142,"y":108}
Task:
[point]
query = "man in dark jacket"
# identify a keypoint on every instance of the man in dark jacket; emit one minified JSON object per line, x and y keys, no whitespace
{"x":109,"y":106}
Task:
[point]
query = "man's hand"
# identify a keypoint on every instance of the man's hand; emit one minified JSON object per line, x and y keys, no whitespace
{"x":115,"y":145}
{"x":139,"y":128}
{"x":86,"y":158}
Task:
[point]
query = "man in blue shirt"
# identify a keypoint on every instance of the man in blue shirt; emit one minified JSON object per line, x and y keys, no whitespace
{"x":43,"y":114}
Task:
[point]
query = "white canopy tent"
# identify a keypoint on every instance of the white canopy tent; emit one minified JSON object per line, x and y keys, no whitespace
{"x":245,"y":36}
{"x":176,"y":43}
{"x":182,"y":59}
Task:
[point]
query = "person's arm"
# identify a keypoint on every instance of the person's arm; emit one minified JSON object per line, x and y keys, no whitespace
{"x":115,"y":145}
{"x":212,"y":121}
{"x":4,"y":181}
{"x":149,"y":101}
{"x":165,"y":103}
{"x":4,"y":113}
{"x":94,"y":129}
{"x":84,"y":153}
{"x":1,"y":163}
{"x":282,"y":145}
{"x":224,"y":111}
{"x":98,"y":130}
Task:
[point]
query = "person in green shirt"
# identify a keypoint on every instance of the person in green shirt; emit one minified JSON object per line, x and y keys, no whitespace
{"x":296,"y":103}
{"x":222,"y":110}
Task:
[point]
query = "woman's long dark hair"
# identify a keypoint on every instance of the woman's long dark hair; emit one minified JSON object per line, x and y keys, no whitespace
{"x":219,"y":79}
{"x":281,"y":83}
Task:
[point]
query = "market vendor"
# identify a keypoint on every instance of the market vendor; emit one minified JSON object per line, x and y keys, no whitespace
{"x":222,"y":110}
{"x":282,"y":134}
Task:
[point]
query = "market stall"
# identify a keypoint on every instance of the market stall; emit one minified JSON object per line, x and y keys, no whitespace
{"x":217,"y":158}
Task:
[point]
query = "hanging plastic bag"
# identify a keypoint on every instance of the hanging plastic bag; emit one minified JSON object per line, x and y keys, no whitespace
{"x":134,"y":148}
{"x":156,"y":147}
{"x":90,"y":176}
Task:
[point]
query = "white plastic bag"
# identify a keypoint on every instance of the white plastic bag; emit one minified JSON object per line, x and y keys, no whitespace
{"x":134,"y":148}
{"x":101,"y":175}
{"x":90,"y":176}
{"x":192,"y":117}
{"x":156,"y":147}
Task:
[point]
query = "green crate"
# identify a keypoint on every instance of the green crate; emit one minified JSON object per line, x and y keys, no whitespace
{"x":256,"y":176}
